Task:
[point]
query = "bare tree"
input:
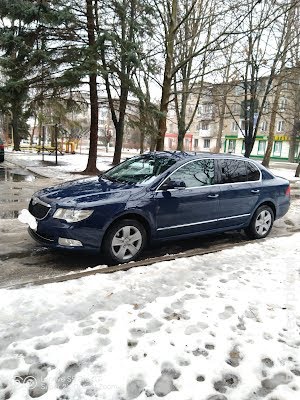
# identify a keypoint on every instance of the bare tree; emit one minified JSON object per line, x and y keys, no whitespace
{"x":285,"y":44}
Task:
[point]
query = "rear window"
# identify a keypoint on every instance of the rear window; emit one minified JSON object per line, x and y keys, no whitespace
{"x":266,"y":174}
{"x":253,"y":173}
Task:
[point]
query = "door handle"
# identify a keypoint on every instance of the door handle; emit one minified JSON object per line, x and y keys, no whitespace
{"x":213,"y":196}
{"x":255,"y":191}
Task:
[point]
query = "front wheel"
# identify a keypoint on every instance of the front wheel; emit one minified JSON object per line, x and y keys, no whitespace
{"x":261,"y":223}
{"x":124,"y":241}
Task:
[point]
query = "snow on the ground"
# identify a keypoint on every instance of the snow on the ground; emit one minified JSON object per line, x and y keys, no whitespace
{"x":220,"y":326}
{"x":68,"y":164}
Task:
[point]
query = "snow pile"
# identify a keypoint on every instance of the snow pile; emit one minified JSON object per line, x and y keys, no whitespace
{"x":214,"y":327}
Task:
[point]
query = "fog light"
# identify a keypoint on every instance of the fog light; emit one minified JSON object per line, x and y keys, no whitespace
{"x":69,"y":242}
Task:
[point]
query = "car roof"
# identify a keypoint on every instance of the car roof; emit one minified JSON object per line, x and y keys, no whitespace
{"x":182,"y":155}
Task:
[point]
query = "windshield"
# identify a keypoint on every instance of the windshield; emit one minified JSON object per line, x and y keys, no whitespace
{"x":140,"y":170}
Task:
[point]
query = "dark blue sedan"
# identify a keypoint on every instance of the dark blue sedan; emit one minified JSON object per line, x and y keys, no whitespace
{"x":159,"y":196}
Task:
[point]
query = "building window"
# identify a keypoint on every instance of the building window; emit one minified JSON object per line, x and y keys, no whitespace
{"x":280,"y":126}
{"x":238,"y":90}
{"x":277,"y":148}
{"x":196,"y":143}
{"x":261,"y":147}
{"x":234,"y":126}
{"x":244,"y":125}
{"x":187,"y":144}
{"x":206,"y":144}
{"x":264,"y":126}
{"x":207,"y":108}
{"x":283,"y":104}
{"x":204,"y":125}
{"x":231,"y":146}
{"x":235,"y":109}
{"x":266,"y":107}
{"x":243,"y":146}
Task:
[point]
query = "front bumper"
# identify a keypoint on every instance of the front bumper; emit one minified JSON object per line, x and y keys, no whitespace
{"x":51,"y":236}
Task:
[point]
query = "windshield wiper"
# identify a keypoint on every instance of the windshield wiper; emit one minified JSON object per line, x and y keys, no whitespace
{"x":112,"y":179}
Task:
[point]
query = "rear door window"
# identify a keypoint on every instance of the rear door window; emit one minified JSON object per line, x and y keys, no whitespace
{"x":231,"y":171}
{"x":196,"y":173}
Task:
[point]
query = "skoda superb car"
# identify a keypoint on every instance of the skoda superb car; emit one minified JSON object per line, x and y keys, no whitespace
{"x":159,"y":196}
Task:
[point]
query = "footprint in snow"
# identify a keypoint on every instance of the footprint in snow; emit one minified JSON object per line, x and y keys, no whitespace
{"x":53,"y":342}
{"x":9,"y":363}
{"x":227,"y":313}
{"x":144,"y":315}
{"x":135,"y":387}
{"x":268,"y":385}
{"x":234,"y":357}
{"x":164,"y":384}
{"x":67,"y":377}
{"x":102,"y":330}
{"x":85,"y":331}
{"x":153,"y":326}
{"x":228,"y":381}
{"x":268,"y":362}
{"x":84,"y":324}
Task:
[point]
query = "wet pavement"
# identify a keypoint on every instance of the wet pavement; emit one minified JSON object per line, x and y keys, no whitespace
{"x":23,"y":260}
{"x":17,"y":186}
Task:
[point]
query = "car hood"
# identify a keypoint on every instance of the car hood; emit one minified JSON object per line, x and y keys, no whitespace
{"x":87,"y":192}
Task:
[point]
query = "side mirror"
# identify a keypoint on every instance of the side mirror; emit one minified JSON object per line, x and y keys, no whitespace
{"x":173,"y":185}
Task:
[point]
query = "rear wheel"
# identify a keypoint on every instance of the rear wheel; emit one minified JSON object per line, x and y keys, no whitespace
{"x":261,"y":223}
{"x":124,"y":241}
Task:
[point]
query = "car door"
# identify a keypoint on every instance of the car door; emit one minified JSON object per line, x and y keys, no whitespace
{"x":240,"y":183}
{"x":191,"y":208}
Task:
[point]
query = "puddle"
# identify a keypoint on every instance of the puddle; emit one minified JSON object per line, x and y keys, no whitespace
{"x":15,"y":175}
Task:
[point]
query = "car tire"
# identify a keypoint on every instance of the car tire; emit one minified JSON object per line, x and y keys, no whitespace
{"x":261,"y":223}
{"x":124,"y":241}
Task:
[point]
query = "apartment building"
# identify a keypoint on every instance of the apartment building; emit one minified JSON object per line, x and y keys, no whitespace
{"x":221,"y":113}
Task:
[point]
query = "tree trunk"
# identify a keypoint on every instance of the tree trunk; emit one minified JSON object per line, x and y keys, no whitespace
{"x":267,"y":156}
{"x":119,"y":142}
{"x":248,"y":146}
{"x":166,"y":88}
{"x":15,"y":128}
{"x":162,"y":122}
{"x":297,"y":174}
{"x":221,"y":127}
{"x":142,"y":139}
{"x":292,"y":148}
{"x":180,"y":145}
{"x":120,"y":125}
{"x":91,"y":168}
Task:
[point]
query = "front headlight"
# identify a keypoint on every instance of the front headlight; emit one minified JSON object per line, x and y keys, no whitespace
{"x":71,"y":215}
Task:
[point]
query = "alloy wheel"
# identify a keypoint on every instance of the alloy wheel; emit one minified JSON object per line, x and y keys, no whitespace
{"x":263,"y":222}
{"x":126,"y":243}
